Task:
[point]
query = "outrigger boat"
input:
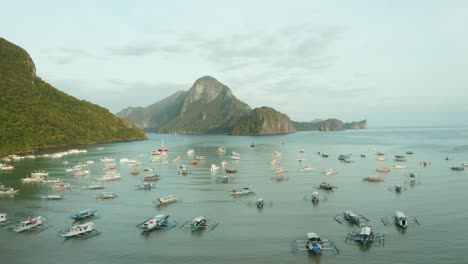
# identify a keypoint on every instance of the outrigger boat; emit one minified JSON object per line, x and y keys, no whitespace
{"x":166,"y":199}
{"x":326,"y":186}
{"x":214,"y":168}
{"x":243,"y":191}
{"x":307,"y":168}
{"x":93,"y":187}
{"x":39,"y":173}
{"x":35,"y":223}
{"x":110,"y":177}
{"x":400,"y":166}
{"x":51,"y":181}
{"x":313,"y":244}
{"x":364,"y":236}
{"x":351,"y":217}
{"x":151,"y":178}
{"x":7,"y":190}
{"x":88,"y":213}
{"x":54,"y":197}
{"x":85,"y":230}
{"x":330,"y":172}
{"x":314,"y":197}
{"x":31,"y":179}
{"x":145,"y":186}
{"x":400,"y":220}
{"x":62,"y":186}
{"x":156,"y":222}
{"x":106,"y":195}
{"x":199,"y":222}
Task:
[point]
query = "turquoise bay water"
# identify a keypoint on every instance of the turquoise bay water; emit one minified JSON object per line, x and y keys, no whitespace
{"x":246,"y":234}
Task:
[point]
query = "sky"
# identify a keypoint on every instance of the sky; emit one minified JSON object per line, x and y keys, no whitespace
{"x":394,"y":63}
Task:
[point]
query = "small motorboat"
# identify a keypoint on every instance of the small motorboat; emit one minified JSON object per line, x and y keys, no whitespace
{"x":106,"y":195}
{"x":135,"y":172}
{"x":88,"y":213}
{"x":278,"y":170}
{"x":214,"y":168}
{"x":307,"y":168}
{"x":400,"y":219}
{"x":200,"y":157}
{"x":51,"y":180}
{"x":184,"y":171}
{"x":78,"y":230}
{"x":276,"y":153}
{"x":399,"y":166}
{"x":274,"y":162}
{"x":457,"y":168}
{"x":313,"y":244}
{"x":166,"y":199}
{"x":190,"y":152}
{"x":29,"y":224}
{"x":243,"y":191}
{"x":39,"y":173}
{"x":221,"y":150}
{"x":109,"y":166}
{"x":31,"y":179}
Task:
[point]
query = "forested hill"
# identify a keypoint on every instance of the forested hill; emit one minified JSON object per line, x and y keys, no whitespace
{"x":35,"y":114}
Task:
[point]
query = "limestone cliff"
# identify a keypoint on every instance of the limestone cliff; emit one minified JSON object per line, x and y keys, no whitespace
{"x":265,"y":121}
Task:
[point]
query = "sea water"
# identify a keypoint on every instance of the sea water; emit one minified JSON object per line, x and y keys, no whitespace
{"x":246,"y":234}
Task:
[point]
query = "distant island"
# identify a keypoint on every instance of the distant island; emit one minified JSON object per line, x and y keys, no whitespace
{"x":34,"y":114}
{"x":209,"y":107}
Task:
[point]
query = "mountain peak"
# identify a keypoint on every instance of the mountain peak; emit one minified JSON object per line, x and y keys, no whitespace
{"x":206,"y":89}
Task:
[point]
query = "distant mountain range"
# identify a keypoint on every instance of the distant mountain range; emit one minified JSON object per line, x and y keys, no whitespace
{"x":35,"y":114}
{"x":209,"y":107}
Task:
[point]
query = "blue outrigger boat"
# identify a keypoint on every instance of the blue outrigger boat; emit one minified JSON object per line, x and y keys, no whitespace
{"x":88,"y":213}
{"x":156,"y":222}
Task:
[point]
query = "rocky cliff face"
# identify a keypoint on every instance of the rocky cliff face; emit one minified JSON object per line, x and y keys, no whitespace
{"x":332,"y":124}
{"x":357,"y":125}
{"x":265,"y":121}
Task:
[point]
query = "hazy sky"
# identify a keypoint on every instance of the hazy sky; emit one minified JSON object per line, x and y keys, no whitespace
{"x":397,"y":63}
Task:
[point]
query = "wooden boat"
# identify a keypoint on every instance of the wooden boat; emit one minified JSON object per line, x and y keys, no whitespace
{"x":157,"y":221}
{"x":383,"y":170}
{"x":88,"y":213}
{"x":135,"y":172}
{"x":243,"y":191}
{"x":93,"y":187}
{"x":78,"y":230}
{"x":29,"y":224}
{"x":166,"y":199}
{"x":374,"y":179}
{"x":106,"y":195}
{"x":7,"y":190}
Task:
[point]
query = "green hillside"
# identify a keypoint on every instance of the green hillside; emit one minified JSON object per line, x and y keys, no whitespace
{"x":35,"y":114}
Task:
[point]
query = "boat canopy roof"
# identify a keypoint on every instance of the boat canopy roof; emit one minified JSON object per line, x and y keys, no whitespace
{"x":350,"y":214}
{"x":400,"y":215}
{"x":366,"y":230}
{"x":313,"y":235}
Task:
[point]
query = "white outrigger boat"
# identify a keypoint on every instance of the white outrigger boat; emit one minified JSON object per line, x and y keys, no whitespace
{"x":93,"y":187}
{"x":351,"y":217}
{"x":54,"y":197}
{"x":110,"y":177}
{"x":4,"y":221}
{"x":106,"y":195}
{"x":166,"y":199}
{"x":7,"y":190}
{"x":85,"y":230}
{"x":62,"y":186}
{"x":35,"y":223}
{"x":243,"y":191}
{"x":145,"y":186}
{"x":31,"y":179}
{"x":51,"y":180}
{"x":400,"y":220}
{"x":39,"y":173}
{"x":199,"y":222}
{"x":313,"y":244}
{"x":156,"y":222}
{"x":364,"y":236}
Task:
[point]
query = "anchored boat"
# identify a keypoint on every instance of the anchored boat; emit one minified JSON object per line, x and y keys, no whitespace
{"x":88,"y":213}
{"x":30,"y":224}
{"x":78,"y":230}
{"x":155,"y":222}
{"x":7,"y":190}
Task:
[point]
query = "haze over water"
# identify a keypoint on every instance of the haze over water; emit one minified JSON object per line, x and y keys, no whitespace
{"x":245,"y":233}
